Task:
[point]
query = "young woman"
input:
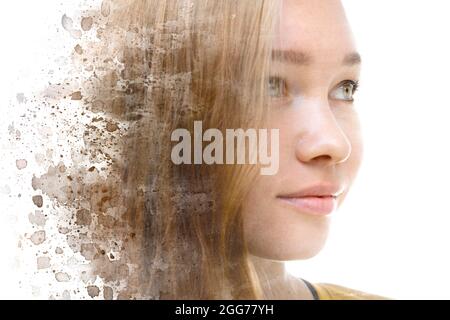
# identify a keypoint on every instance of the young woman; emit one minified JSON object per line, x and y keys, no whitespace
{"x":221,"y":231}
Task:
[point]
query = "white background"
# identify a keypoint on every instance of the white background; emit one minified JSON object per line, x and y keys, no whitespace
{"x":392,"y":235}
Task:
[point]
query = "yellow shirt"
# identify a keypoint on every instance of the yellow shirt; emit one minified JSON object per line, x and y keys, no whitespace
{"x":326,"y":291}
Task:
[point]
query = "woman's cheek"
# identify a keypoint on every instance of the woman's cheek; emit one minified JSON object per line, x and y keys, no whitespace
{"x":351,"y":127}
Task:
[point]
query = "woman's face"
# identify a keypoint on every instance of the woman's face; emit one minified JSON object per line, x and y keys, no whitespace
{"x":314,"y":71}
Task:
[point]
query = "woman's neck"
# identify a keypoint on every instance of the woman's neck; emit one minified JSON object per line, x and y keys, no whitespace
{"x":276,"y":283}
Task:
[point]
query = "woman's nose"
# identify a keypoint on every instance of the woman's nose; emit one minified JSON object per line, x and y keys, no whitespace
{"x":320,"y":136}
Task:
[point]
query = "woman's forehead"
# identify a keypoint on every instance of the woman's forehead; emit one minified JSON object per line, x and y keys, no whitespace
{"x":310,"y":30}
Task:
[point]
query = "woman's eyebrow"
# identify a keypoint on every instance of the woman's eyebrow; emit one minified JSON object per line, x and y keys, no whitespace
{"x":302,"y":58}
{"x":291,"y":56}
{"x":352,"y":59}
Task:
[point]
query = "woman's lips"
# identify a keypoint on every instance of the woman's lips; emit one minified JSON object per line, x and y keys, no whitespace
{"x":318,"y":199}
{"x":315,"y":205}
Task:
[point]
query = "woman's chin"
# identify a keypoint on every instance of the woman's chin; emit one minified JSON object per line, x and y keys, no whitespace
{"x":282,"y":252}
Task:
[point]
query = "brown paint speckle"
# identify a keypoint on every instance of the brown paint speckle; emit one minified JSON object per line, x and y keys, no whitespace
{"x":105,"y":8}
{"x":43,"y":262}
{"x":107,"y":293}
{"x":67,"y":24}
{"x":38,"y":201}
{"x":93,"y":291}
{"x":62,"y":277}
{"x":21,"y":164}
{"x":78,"y":49}
{"x":38,"y":218}
{"x":88,"y":251}
{"x":111,"y":127}
{"x":86,"y":23}
{"x":38,"y":237}
{"x":83,"y":217}
{"x":76,"y":95}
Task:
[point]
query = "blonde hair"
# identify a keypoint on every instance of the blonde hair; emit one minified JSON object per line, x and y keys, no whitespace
{"x":186,"y":60}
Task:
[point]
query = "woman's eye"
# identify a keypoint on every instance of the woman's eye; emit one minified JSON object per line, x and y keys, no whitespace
{"x":277,"y":87}
{"x":345,"y":90}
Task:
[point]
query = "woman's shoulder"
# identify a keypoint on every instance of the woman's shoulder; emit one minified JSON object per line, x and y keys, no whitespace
{"x":327,"y":291}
